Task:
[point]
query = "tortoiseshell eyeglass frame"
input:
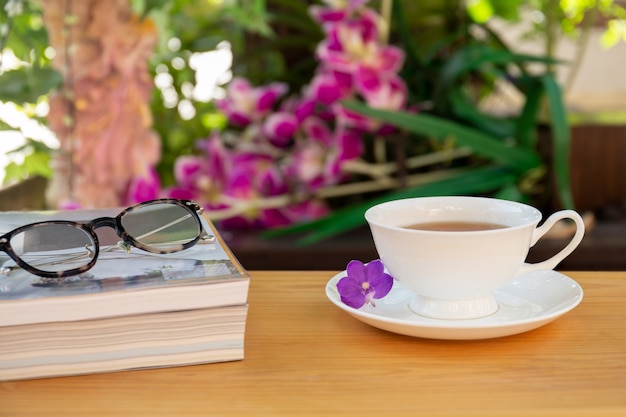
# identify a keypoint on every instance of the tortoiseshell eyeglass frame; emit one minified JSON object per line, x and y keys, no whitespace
{"x":193,"y":208}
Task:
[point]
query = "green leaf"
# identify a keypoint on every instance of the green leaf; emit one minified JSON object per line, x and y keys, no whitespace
{"x":466,"y":110}
{"x":561,"y":137}
{"x":13,"y":173}
{"x":402,"y":26}
{"x":527,"y":121}
{"x":35,"y":161}
{"x":517,"y":158}
{"x":27,"y":84}
{"x":37,"y":164}
{"x":468,"y":182}
{"x":5,"y":126}
{"x":473,"y":57}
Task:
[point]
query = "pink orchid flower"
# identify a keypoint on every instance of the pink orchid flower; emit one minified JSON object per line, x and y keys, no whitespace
{"x":280,"y":128}
{"x":245,"y":104}
{"x":254,"y":175}
{"x":353,"y":52}
{"x":316,"y":161}
{"x":192,"y":181}
{"x":329,"y":86}
{"x":389,"y":94}
{"x":143,"y":188}
{"x":353,"y":48}
{"x":304,"y":211}
{"x":336,"y":11}
{"x":383,"y":94}
{"x":308,"y":161}
{"x":202,"y":178}
{"x":349,"y":145}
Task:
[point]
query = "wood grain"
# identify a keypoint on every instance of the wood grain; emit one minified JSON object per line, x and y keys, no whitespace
{"x":304,"y":356}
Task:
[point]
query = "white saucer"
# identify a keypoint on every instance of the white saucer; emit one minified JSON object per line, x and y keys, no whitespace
{"x":526,"y":303}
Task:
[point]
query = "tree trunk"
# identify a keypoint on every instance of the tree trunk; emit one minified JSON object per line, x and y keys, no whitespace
{"x":101,"y":115}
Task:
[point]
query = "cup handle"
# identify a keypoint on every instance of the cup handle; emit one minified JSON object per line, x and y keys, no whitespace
{"x":552,"y":262}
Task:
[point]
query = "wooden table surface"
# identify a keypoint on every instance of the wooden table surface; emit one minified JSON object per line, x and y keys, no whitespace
{"x":305,"y":356}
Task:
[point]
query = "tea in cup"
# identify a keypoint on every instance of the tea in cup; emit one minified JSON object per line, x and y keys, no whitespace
{"x":455,"y":252}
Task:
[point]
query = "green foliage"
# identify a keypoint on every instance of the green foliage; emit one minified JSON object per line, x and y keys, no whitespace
{"x":36,"y":158}
{"x":286,"y":53}
{"x":569,"y":17}
{"x":28,"y":84}
{"x":25,"y":36}
{"x":483,"y":10}
{"x":615,"y":31}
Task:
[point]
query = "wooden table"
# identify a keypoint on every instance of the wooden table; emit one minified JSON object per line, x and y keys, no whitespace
{"x":304,"y":356}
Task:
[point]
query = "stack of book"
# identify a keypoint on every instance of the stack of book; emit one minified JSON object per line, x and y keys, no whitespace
{"x":132,"y":310}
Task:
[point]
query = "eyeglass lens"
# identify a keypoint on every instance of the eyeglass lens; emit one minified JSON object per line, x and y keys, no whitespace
{"x":161,"y":226}
{"x":54,"y":247}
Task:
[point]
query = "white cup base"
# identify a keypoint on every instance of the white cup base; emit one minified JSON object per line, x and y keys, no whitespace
{"x":473,"y":308}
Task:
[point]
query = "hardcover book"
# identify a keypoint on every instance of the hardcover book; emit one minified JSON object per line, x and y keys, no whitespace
{"x":133,"y":309}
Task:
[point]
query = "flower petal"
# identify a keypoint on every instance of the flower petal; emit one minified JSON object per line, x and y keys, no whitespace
{"x":142,"y":188}
{"x":390,"y":59}
{"x":351,"y":292}
{"x":324,"y":89}
{"x":350,"y":145}
{"x":280,"y":127}
{"x":382,"y":285}
{"x":304,"y":109}
{"x":373,"y":270}
{"x":186,"y":168}
{"x":317,"y":130}
{"x":357,"y":271}
{"x":268,"y":95}
{"x":326,"y":14}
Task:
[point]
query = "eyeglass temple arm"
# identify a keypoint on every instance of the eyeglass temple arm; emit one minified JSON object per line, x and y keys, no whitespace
{"x":206,"y":236}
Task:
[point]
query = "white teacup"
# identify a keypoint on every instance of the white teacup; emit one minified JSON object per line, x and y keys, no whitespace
{"x":454,"y":273}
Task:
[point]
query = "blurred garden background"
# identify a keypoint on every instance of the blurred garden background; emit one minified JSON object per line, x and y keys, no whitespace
{"x":296,"y":115}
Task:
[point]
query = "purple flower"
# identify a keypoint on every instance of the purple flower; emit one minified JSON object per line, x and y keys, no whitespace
{"x":187,"y":168}
{"x":280,"y":127}
{"x":336,"y":10}
{"x":328,"y":87}
{"x":349,"y":145}
{"x":245,"y":104}
{"x":142,"y":188}
{"x":353,"y":45}
{"x":364,"y":283}
{"x":387,"y":94}
{"x":303,"y":109}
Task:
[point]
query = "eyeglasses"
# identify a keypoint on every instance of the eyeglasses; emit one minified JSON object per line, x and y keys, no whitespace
{"x":62,"y":248}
